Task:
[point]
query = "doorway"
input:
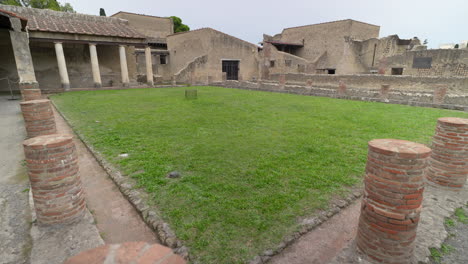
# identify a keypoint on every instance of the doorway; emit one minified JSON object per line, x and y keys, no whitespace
{"x":231,"y":68}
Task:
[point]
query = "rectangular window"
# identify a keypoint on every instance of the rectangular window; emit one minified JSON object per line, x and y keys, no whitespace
{"x":397,"y":71}
{"x":331,"y":71}
{"x":162,"y":59}
{"x":272,"y":63}
{"x":422,"y":62}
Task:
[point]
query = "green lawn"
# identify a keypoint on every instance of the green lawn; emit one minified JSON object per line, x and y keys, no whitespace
{"x":253,"y":163}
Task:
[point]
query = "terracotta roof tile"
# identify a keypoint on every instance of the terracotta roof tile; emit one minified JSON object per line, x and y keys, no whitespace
{"x":72,"y":23}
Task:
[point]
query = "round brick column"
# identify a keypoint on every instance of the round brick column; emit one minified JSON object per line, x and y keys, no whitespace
{"x":392,"y":200}
{"x":53,"y":172}
{"x":31,"y":94}
{"x":130,"y":252}
{"x":38,"y":117}
{"x":448,"y":163}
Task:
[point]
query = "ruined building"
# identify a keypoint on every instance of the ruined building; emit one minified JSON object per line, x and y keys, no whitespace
{"x":67,"y":50}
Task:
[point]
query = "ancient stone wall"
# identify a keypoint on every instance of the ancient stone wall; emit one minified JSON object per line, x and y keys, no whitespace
{"x":186,"y":47}
{"x":442,"y":62}
{"x":344,"y":91}
{"x":282,"y":62}
{"x":327,"y":37}
{"x":374,"y":81}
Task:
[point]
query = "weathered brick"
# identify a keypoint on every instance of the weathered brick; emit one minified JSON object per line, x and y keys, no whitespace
{"x":392,"y":199}
{"x":448,"y":161}
{"x":56,"y":186}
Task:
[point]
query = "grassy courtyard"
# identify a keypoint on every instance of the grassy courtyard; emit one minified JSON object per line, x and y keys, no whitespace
{"x":252,"y":163}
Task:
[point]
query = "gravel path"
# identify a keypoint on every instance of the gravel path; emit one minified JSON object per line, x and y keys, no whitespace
{"x":457,"y":242}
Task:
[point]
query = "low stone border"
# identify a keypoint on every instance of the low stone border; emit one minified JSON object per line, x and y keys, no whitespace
{"x":308,"y":225}
{"x":365,"y":95}
{"x":138,"y":198}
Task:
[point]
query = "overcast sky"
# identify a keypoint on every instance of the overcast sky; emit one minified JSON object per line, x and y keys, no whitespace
{"x":439,"y":21}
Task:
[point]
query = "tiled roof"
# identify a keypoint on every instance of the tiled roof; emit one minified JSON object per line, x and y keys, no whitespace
{"x":72,"y":23}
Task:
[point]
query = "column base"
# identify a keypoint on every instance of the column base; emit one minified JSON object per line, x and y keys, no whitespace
{"x":66,"y":86}
{"x":150,"y":83}
{"x":126,"y":84}
{"x":97,"y":85}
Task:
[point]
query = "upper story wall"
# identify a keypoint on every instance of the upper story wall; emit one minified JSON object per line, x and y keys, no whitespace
{"x":327,"y":37}
{"x":150,"y":26}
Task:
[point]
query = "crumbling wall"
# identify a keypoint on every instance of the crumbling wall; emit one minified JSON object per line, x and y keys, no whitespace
{"x":275,"y":61}
{"x":443,"y":62}
{"x":327,"y":37}
{"x":374,"y":82}
{"x":193,"y":71}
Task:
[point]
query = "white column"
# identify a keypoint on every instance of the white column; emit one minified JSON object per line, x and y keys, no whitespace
{"x":62,"y":65}
{"x":149,"y":66}
{"x":95,"y":65}
{"x":123,"y":66}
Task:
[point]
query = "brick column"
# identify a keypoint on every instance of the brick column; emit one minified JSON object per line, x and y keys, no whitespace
{"x":384,"y":90}
{"x":342,"y":88}
{"x":30,"y":91}
{"x":392,"y":199}
{"x":53,"y":172}
{"x":38,"y":117}
{"x":448,"y":164}
{"x":282,"y":80}
{"x":439,"y":94}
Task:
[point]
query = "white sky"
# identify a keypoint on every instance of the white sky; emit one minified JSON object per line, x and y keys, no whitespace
{"x":436,"y":20}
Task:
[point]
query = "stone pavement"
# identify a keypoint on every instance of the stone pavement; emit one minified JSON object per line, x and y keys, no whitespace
{"x":15,"y":217}
{"x":116,"y":219}
{"x":323,"y":243}
{"x":438,"y":204}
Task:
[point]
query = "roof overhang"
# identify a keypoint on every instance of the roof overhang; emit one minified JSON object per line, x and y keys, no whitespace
{"x":280,"y":43}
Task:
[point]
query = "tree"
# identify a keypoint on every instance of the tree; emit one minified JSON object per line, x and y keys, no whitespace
{"x":102,"y":12}
{"x":178,"y":26}
{"x":41,"y":4}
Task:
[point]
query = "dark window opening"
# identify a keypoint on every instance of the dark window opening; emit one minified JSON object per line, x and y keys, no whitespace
{"x":231,"y":68}
{"x":272,"y":63}
{"x":422,"y":62}
{"x":162,"y":59}
{"x":331,"y":71}
{"x":397,"y":71}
